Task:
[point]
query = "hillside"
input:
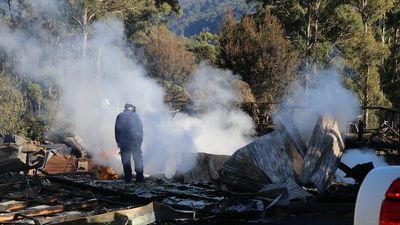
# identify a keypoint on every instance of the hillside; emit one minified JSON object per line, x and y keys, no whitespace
{"x":201,"y":15}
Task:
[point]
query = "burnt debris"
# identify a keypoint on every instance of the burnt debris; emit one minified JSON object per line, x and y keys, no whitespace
{"x":282,"y":158}
{"x":56,"y":183}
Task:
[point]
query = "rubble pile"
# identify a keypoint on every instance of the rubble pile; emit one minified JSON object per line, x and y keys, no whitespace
{"x":281,"y":158}
{"x":50,"y":184}
{"x":18,"y":154}
{"x":81,"y":198}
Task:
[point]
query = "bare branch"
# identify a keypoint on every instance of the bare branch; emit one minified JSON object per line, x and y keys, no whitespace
{"x":80,"y":22}
{"x":91,"y":17}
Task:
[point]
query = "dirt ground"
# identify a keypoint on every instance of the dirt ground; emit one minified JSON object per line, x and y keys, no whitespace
{"x":298,"y":214}
{"x":304,"y":219}
{"x":312,"y":219}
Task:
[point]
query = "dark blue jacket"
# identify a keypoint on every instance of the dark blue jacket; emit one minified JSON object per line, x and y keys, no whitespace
{"x":128,"y":129}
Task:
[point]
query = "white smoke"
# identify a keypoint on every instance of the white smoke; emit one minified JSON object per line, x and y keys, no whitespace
{"x":221,"y":129}
{"x":353,"y":157}
{"x":324,"y":94}
{"x":94,"y":90}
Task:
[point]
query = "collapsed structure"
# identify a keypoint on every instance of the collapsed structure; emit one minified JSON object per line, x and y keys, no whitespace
{"x":282,"y":158}
{"x":273,"y":170}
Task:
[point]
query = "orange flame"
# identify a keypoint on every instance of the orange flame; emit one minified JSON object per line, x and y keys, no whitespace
{"x":105,"y":173}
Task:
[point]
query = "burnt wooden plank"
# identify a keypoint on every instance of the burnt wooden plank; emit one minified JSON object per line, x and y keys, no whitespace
{"x":13,"y":205}
{"x":106,"y":191}
{"x":13,"y":165}
{"x":47,"y":210}
{"x":33,"y":211}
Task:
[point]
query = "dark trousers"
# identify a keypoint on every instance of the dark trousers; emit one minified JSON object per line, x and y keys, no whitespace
{"x":126,"y":153}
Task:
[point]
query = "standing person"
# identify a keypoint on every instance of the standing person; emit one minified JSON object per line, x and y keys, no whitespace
{"x":129,"y":137}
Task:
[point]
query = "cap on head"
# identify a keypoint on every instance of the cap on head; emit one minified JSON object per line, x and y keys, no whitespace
{"x":130,"y":107}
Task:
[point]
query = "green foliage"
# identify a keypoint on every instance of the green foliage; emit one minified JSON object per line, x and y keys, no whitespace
{"x":206,"y":16}
{"x":391,"y":68}
{"x":12,"y":105}
{"x":204,"y":47}
{"x":308,"y":24}
{"x":28,"y":107}
{"x":363,"y":33}
{"x":257,"y":50}
{"x":347,"y":19}
{"x":393,"y":92}
{"x":168,"y":61}
{"x":98,"y":9}
{"x":34,"y":95}
{"x":372,"y":10}
{"x":138,"y":15}
{"x":363,"y":54}
{"x":264,"y":46}
{"x":25,"y":108}
{"x":41,"y":109}
{"x":169,"y":5}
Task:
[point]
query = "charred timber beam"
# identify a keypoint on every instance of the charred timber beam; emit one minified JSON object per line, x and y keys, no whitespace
{"x":137,"y":199}
{"x":28,"y":200}
{"x":16,"y":217}
{"x":358,"y":172}
{"x":13,"y":165}
{"x":47,"y":210}
{"x":13,"y":205}
{"x":186,"y":195}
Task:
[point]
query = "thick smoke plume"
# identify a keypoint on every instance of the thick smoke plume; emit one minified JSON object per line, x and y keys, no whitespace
{"x":324,"y":94}
{"x":95,"y":87}
{"x":212,"y":90}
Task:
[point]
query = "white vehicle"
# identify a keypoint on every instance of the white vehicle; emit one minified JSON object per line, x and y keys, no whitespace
{"x":378,"y":200}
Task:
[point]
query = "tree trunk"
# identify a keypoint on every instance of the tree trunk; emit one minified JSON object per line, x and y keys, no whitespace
{"x":84,"y":31}
{"x":383,"y":29}
{"x":365,"y":91}
{"x":365,"y":27}
{"x":316,"y":31}
{"x":396,"y":41}
{"x":10,"y":10}
{"x":364,"y":16}
{"x":98,"y":59}
{"x":366,"y":97}
{"x":309,"y":21}
{"x":317,"y":8}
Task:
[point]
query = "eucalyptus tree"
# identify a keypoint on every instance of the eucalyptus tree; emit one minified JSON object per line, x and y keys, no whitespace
{"x":257,"y":50}
{"x":307,"y":24}
{"x":362,"y":51}
{"x":167,"y":59}
{"x":82,"y":13}
{"x":204,"y":46}
{"x":391,"y":71}
{"x":12,"y":105}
